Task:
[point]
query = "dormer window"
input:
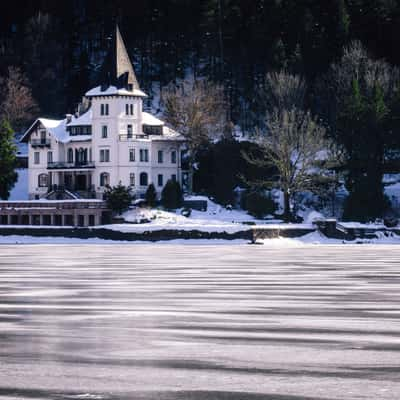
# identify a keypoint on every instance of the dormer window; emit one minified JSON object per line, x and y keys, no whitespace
{"x":152,"y":130}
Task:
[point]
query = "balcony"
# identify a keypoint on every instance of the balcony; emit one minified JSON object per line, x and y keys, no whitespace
{"x":68,"y":165}
{"x":40,"y":142}
{"x":124,"y":138}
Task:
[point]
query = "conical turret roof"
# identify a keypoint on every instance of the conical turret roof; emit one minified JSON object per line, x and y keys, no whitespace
{"x":117,"y":69}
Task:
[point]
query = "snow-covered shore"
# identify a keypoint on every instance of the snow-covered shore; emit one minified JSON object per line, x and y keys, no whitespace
{"x":310,"y":239}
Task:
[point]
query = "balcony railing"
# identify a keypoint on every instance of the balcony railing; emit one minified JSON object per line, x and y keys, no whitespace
{"x":40,"y":142}
{"x":68,"y":165}
{"x":124,"y":138}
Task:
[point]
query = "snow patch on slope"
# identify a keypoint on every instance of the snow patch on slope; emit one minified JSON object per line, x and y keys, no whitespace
{"x":20,"y":190}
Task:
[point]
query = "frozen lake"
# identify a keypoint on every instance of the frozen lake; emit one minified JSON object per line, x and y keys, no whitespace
{"x":191,"y":323}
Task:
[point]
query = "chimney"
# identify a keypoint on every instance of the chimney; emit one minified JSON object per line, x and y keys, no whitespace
{"x":68,"y":117}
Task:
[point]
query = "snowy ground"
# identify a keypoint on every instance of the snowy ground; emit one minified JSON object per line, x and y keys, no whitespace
{"x":199,"y":323}
{"x":215,"y":219}
{"x":20,"y":190}
{"x":311,"y":239}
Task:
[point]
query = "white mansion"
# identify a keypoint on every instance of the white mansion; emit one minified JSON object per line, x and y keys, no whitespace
{"x":110,"y":140}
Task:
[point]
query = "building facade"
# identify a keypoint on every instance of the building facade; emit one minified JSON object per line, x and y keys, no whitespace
{"x":111,"y":140}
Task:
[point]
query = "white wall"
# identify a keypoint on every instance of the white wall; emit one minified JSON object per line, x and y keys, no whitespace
{"x":119,"y":167}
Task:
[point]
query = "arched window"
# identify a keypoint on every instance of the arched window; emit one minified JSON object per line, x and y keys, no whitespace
{"x":104,"y":179}
{"x":43,"y":180}
{"x":143,"y":179}
{"x":70,"y":156}
{"x":81,"y":156}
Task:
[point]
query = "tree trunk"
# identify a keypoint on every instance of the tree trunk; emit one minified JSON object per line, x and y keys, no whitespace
{"x":286,"y":206}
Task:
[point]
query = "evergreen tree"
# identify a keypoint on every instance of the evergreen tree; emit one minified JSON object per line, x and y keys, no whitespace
{"x":118,"y":198}
{"x":171,"y":195}
{"x":359,"y":93}
{"x":8,"y":160}
{"x":151,"y":196}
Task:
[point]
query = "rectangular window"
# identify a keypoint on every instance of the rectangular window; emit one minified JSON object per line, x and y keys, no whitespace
{"x":104,"y":131}
{"x":49,"y":156}
{"x":101,"y":109}
{"x":173,"y":157}
{"x":129,"y":131}
{"x":132,"y":179}
{"x":106,"y":111}
{"x":131,"y":108}
{"x":104,"y":155}
{"x":173,"y":177}
{"x":160,"y":156}
{"x":144,"y":155}
{"x":36,"y":157}
{"x":160,"y":180}
{"x":131,"y":155}
{"x":127,"y":109}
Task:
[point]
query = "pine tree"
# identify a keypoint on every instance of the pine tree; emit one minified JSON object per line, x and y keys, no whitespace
{"x":171,"y":195}
{"x":151,"y":195}
{"x":8,"y":160}
{"x":118,"y":198}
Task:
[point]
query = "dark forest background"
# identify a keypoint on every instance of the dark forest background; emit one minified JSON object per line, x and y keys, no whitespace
{"x":60,"y":44}
{"x":344,"y":54}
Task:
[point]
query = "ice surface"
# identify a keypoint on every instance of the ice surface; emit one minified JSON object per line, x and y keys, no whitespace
{"x":199,"y":323}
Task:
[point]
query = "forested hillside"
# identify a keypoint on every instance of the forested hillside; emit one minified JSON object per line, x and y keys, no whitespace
{"x":329,"y":64}
{"x":60,"y":44}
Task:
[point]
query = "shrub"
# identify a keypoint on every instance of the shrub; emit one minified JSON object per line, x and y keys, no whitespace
{"x":171,"y":195}
{"x":118,"y":198}
{"x":151,"y":196}
{"x":258,"y":204}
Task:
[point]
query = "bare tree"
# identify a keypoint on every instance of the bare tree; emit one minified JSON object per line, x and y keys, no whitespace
{"x":292,"y":141}
{"x":17,"y":104}
{"x":283,"y":91}
{"x":292,"y":144}
{"x":197,"y":110}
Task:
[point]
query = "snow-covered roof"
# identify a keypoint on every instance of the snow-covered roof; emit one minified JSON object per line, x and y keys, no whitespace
{"x":84,"y":119}
{"x":58,"y":128}
{"x":114,"y":91}
{"x":148,"y":119}
{"x":168,"y":134}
